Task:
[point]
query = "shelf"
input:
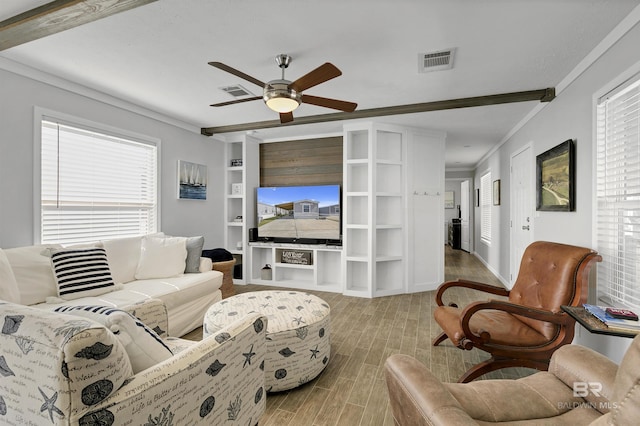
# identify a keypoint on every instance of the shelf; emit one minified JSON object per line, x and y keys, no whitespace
{"x":235,"y":168}
{"x":240,"y":196}
{"x":235,"y":223}
{"x":293,"y":266}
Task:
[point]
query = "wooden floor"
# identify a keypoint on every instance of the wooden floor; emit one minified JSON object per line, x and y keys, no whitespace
{"x":364,"y":332}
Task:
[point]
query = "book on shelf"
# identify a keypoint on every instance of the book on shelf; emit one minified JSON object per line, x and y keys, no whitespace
{"x":615,"y":323}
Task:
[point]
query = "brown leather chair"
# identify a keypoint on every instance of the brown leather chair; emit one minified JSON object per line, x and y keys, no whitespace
{"x":526,"y":329}
{"x":582,"y":387}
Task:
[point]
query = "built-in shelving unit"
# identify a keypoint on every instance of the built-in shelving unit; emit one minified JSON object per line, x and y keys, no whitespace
{"x":240,"y":181}
{"x":323,"y":274}
{"x":373,"y":209}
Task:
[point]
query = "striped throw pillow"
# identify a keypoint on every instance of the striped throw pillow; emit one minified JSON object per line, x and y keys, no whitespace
{"x":144,"y":347}
{"x":81,"y":272}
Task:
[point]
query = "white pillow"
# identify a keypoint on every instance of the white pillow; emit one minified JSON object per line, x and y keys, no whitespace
{"x":124,"y":256}
{"x":8,"y":285}
{"x":162,"y":257}
{"x":81,"y":272}
{"x":33,"y":272}
{"x":144,"y":347}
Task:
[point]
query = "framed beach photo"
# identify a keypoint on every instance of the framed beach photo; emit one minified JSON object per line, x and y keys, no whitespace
{"x":192,"y":181}
{"x":555,"y":178}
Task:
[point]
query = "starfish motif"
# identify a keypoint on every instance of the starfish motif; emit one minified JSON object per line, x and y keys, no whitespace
{"x":298,"y":321}
{"x":314,"y":353}
{"x":248,"y":356}
{"x":265,"y":305}
{"x":49,"y":404}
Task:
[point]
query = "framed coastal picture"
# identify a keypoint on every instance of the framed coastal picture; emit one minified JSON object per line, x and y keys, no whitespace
{"x":555,"y":178}
{"x":192,"y":181}
{"x":449,"y":200}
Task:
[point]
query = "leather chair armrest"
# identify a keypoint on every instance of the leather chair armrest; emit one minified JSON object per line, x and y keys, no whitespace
{"x":590,"y":374}
{"x":418,"y":398}
{"x":474,"y":285}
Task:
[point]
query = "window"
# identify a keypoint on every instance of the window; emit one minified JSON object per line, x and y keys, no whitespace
{"x":95,"y":186}
{"x":485,"y":207}
{"x":306,"y":208}
{"x":618,"y":194}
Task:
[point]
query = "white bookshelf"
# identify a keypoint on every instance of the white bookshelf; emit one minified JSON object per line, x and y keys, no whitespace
{"x":373,"y":210}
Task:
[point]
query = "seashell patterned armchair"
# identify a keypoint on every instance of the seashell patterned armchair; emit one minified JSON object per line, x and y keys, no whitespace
{"x":70,"y":368}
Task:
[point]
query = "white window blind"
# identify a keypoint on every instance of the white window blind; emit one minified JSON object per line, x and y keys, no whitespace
{"x":618,"y":194}
{"x":95,"y":186}
{"x":485,"y":207}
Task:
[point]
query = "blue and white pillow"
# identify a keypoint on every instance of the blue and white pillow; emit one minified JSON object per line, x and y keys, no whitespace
{"x":144,"y":347}
{"x":81,"y":272}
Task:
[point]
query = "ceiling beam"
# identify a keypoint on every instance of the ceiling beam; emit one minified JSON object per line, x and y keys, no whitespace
{"x":542,"y":95}
{"x":57,"y":16}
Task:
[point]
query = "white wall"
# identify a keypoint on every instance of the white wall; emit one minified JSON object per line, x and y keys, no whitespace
{"x":19,"y":95}
{"x":569,"y":116}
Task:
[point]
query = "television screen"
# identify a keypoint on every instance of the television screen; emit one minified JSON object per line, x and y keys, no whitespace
{"x":299,"y":212}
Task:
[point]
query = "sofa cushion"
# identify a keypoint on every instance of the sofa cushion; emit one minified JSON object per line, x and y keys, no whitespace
{"x":194,"y":252}
{"x":31,"y":267}
{"x":8,"y":285}
{"x":144,"y":347}
{"x":161,"y":257}
{"x":123,"y":255}
{"x":81,"y":272}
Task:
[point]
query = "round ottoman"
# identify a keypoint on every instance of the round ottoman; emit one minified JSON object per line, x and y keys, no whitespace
{"x":298,"y":345}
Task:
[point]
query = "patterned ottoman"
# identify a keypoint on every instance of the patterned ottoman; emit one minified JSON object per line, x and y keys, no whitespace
{"x":298,"y":346}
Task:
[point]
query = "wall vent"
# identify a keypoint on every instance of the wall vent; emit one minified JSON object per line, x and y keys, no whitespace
{"x":436,"y":61}
{"x":237,"y":91}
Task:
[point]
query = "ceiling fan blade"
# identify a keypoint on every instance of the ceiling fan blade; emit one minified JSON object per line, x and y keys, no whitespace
{"x":237,"y":73}
{"x":286,"y":117}
{"x":237,"y":101}
{"x":329,"y":103}
{"x":324,"y":72}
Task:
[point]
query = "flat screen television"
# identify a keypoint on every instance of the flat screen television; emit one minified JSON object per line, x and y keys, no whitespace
{"x":299,"y":214}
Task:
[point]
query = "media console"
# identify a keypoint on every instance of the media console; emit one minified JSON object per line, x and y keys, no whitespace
{"x":299,"y":266}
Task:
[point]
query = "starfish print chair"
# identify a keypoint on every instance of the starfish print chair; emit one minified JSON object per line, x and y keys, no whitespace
{"x":525,"y":329}
{"x":70,"y":367}
{"x":582,"y":387}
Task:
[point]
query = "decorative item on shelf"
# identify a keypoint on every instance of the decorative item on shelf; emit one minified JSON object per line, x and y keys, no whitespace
{"x":555,"y":177}
{"x":236,"y":162}
{"x":266,"y":272}
{"x":236,"y":189}
{"x":295,"y":257}
{"x":496,"y":192}
{"x":238,"y":219}
{"x":192,"y":181}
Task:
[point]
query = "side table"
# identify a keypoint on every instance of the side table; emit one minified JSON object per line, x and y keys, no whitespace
{"x":592,"y":324}
{"x":226,"y":267}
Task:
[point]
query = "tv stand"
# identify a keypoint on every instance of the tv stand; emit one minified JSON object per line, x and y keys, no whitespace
{"x":324,"y":273}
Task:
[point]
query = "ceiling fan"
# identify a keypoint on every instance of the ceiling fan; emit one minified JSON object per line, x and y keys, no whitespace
{"x":283,"y":96}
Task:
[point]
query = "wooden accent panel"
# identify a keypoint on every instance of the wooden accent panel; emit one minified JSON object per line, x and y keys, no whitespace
{"x":301,"y":162}
{"x":57,"y":16}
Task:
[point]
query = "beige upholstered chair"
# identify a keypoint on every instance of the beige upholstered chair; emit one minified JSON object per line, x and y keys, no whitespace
{"x":94,"y":365}
{"x":581,"y":387}
{"x":526,"y":329}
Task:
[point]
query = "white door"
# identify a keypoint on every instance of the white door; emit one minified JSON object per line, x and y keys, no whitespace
{"x":522,"y":206}
{"x":465,"y":195}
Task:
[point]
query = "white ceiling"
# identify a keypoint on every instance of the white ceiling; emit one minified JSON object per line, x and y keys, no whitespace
{"x":155,"y":56}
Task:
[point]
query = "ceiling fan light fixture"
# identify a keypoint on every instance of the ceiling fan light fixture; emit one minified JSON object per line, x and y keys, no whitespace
{"x":279,"y":97}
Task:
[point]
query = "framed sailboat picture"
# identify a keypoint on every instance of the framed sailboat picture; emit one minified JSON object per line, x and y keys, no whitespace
{"x":192,"y":181}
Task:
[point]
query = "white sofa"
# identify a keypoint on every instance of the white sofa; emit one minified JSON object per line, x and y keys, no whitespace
{"x":141,"y":268}
{"x":62,"y":368}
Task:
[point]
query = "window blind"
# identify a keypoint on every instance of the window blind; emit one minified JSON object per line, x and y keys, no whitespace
{"x":95,"y":186}
{"x":485,"y":207}
{"x":618,"y":194}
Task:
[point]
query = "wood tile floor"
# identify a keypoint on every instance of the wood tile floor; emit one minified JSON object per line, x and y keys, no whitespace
{"x":364,"y":332}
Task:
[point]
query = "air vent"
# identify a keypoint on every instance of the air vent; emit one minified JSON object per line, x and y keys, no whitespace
{"x":237,"y":91}
{"x":436,"y":61}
